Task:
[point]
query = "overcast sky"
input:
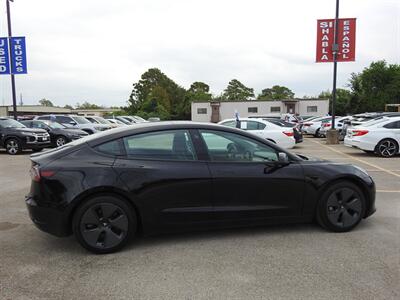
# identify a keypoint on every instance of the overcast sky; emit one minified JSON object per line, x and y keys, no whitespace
{"x":93,"y":50}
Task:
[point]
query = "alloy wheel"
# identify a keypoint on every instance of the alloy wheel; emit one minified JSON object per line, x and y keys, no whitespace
{"x":60,"y":141}
{"x":104,"y":225}
{"x":387,"y":148}
{"x":12,"y":147}
{"x":344,"y":207}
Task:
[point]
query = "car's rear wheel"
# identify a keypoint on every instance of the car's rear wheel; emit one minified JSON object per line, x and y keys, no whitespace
{"x":387,"y":148}
{"x":317,"y":134}
{"x":13,"y":146}
{"x":341,"y":207}
{"x":104,"y":224}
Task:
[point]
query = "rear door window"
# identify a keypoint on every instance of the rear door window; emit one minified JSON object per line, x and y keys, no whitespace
{"x":164,"y":145}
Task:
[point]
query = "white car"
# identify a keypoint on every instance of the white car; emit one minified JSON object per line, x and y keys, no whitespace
{"x":313,"y":127}
{"x":381,"y":136}
{"x":282,"y":136}
{"x":339,"y":122}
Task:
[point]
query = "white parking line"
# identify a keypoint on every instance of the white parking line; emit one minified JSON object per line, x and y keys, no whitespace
{"x":357,"y":159}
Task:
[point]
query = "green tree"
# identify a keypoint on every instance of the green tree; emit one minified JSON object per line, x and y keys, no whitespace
{"x":68,"y":106}
{"x":45,"y":102}
{"x":343,"y":98}
{"x":237,"y":91}
{"x":198,"y":91}
{"x":375,"y":86}
{"x":154,"y":83}
{"x":277,"y":92}
{"x":87,"y":105}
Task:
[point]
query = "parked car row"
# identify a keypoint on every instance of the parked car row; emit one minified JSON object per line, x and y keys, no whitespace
{"x":377,"y":133}
{"x":280,"y":132}
{"x":39,"y":132}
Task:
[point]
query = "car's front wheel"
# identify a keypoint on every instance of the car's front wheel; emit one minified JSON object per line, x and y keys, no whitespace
{"x":341,"y":207}
{"x":387,"y":148}
{"x":13,"y":146}
{"x":104,"y":224}
{"x":60,"y":141}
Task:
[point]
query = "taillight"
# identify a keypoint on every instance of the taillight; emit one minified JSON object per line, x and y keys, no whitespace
{"x":288,"y":133}
{"x":37,"y":174}
{"x":326,"y":125}
{"x":359,"y":132}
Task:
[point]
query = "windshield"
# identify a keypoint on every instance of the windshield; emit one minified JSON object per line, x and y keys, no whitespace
{"x":80,"y":120}
{"x":100,"y":120}
{"x":10,"y":123}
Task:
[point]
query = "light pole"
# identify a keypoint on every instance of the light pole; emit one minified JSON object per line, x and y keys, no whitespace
{"x":332,"y":134}
{"x":9,"y":48}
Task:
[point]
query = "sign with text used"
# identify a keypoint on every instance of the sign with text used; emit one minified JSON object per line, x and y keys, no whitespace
{"x":4,"y":58}
{"x":346,"y":40}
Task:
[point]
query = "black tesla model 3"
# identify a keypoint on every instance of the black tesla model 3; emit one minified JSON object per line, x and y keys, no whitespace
{"x":180,"y":176}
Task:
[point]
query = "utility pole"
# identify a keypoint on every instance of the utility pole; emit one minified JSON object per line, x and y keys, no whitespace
{"x":332,"y":134}
{"x":11,"y":61}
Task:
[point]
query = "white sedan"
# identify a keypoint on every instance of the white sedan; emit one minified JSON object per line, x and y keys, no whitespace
{"x":314,"y":126}
{"x":381,"y":136}
{"x":282,"y":136}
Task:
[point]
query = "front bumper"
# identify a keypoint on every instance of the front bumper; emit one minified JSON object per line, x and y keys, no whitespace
{"x":47,"y":219}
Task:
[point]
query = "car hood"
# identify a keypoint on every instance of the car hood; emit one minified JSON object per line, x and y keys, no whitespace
{"x":75,"y":131}
{"x":26,"y":129}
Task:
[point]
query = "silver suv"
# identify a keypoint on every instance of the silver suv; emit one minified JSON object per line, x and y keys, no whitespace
{"x":73,"y":121}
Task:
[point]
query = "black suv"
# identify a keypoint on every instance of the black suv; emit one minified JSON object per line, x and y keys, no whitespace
{"x":15,"y":137}
{"x":59,"y":134}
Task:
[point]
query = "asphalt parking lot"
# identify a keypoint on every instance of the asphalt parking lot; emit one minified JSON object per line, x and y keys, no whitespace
{"x":277,"y":262}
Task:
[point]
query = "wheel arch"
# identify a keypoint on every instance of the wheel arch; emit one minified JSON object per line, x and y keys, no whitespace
{"x":102,"y":191}
{"x":11,"y":137}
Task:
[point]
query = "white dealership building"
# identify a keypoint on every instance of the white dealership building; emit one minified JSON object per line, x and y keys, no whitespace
{"x":215,"y":111}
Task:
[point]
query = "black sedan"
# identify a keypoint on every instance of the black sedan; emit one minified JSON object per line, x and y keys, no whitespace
{"x":59,"y":134}
{"x":180,"y":176}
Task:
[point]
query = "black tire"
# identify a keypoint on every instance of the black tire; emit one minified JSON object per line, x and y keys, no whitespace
{"x":317,"y":135}
{"x":387,"y":148}
{"x":60,"y":140}
{"x":341,"y":207}
{"x":13,"y":146}
{"x":104,"y":224}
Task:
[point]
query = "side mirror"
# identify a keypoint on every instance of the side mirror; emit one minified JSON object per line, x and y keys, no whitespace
{"x":283,"y":157}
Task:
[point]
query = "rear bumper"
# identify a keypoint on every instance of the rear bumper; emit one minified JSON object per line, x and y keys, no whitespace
{"x":47,"y":219}
{"x":359,"y":144}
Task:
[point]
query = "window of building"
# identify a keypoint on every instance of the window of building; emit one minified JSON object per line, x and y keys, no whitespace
{"x":252,"y":109}
{"x":275,"y":109}
{"x":168,"y":145}
{"x":202,"y":111}
{"x":312,"y":108}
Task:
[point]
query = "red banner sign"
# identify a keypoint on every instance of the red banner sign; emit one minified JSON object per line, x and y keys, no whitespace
{"x":346,"y":40}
